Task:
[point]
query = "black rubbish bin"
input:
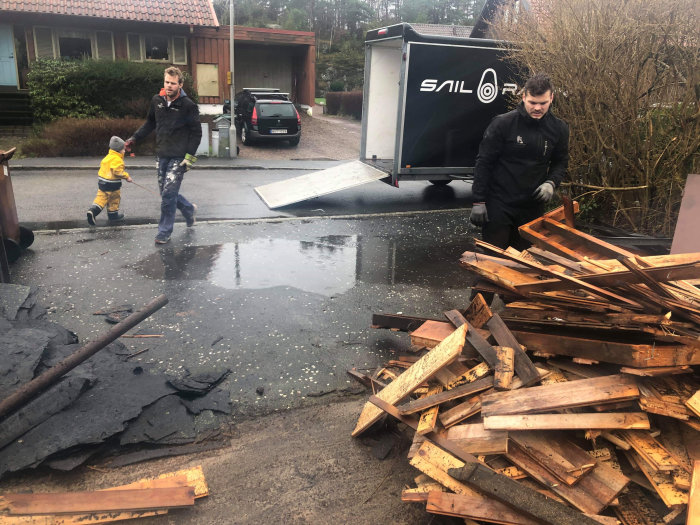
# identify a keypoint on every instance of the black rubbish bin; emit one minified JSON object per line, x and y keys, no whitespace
{"x":14,"y":236}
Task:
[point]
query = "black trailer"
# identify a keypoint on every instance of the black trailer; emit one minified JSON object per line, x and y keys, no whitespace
{"x":427,"y":101}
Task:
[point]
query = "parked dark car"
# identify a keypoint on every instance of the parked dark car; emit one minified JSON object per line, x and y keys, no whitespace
{"x":266,"y":114}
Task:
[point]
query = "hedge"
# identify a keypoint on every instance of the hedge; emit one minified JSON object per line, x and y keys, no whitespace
{"x":72,"y":137}
{"x":346,"y":103}
{"x":95,"y":88}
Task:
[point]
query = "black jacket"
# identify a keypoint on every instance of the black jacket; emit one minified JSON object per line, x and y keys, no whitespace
{"x":517,"y":154}
{"x":178,"y":130}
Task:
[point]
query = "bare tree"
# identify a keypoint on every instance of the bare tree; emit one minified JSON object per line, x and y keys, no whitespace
{"x":628,"y":79}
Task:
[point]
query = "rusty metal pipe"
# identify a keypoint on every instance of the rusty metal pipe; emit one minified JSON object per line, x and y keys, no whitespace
{"x":53,"y":374}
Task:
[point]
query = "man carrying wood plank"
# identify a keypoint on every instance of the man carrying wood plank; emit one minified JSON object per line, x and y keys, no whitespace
{"x":522,"y":158}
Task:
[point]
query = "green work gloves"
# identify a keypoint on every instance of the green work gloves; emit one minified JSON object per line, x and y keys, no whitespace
{"x":479,"y":215}
{"x":544,"y":191}
{"x":188,"y":161}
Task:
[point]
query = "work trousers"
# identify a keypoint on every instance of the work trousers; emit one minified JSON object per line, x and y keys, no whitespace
{"x":110,"y":199}
{"x":504,"y":220}
{"x":170,"y":175}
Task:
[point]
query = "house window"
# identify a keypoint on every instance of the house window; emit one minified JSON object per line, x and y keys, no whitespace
{"x":179,"y":50}
{"x":43,"y":42}
{"x":74,"y":47}
{"x":156,"y":47}
{"x":134,"y":48}
{"x":104,"y":45}
{"x":68,"y":43}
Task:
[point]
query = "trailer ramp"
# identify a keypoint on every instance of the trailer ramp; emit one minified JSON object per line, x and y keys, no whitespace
{"x":323,"y":182}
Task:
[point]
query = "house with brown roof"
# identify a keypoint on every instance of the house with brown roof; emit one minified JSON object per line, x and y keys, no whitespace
{"x":185,"y":33}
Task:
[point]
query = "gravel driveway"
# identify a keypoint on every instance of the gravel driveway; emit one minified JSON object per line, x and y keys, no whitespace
{"x":323,"y":137}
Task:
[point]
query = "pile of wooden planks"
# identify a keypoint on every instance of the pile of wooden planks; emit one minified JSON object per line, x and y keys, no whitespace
{"x":143,"y":498}
{"x":578,"y":403}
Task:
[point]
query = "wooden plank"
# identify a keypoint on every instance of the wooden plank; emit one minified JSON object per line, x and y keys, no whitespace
{"x":438,"y":439}
{"x":693,"y":403}
{"x":478,"y":312}
{"x":591,"y":494}
{"x":693,"y":517}
{"x":608,"y":351}
{"x":461,"y":412}
{"x":529,"y":502}
{"x":635,"y":508}
{"x":455,"y":317}
{"x":473,"y":374}
{"x":578,"y":421}
{"x":662,"y":482}
{"x":523,"y":366}
{"x":424,"y":403}
{"x":501,"y":275}
{"x":590,"y":288}
{"x":100,"y":501}
{"x":191,"y":477}
{"x":476,"y":507}
{"x":478,"y":440}
{"x":451,"y":374}
{"x":431,"y":333}
{"x":479,"y":343}
{"x":656,"y":371}
{"x":560,"y":395}
{"x":79,"y":519}
{"x":422,"y":370}
{"x":428,"y":418}
{"x":650,"y":450}
{"x":366,"y":380}
{"x":556,"y":453}
{"x":675,"y":272}
{"x":503,"y":373}
{"x":604,"y":249}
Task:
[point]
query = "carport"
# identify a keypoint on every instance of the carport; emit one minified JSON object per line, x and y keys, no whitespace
{"x":263,"y":57}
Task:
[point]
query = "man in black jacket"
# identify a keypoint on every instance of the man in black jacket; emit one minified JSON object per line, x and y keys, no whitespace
{"x":175,"y":119}
{"x":522,"y":159}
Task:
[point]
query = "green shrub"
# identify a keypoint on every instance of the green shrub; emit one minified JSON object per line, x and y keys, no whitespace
{"x":52,"y":89}
{"x":94,"y":88}
{"x":337,"y":85}
{"x":72,"y":137}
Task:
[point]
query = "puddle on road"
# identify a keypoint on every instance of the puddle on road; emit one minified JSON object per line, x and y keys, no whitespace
{"x":327,"y":265}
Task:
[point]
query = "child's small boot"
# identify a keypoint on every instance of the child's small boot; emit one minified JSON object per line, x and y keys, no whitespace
{"x":93,"y":212}
{"x":115,"y":216}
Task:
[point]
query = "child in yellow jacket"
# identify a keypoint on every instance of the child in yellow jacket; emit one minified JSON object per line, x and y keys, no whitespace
{"x":109,"y":183}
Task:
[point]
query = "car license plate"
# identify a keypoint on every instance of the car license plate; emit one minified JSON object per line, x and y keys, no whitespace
{"x":278,"y":131}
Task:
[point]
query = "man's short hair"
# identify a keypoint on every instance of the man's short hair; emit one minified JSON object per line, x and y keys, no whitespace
{"x":175,"y":72}
{"x":538,"y":85}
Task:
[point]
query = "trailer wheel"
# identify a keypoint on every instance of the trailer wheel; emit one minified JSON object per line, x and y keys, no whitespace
{"x":26,"y":237}
{"x":12,"y":250}
{"x":440,"y":182}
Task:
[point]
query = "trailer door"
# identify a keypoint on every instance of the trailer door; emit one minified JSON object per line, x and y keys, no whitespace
{"x":451,"y":94}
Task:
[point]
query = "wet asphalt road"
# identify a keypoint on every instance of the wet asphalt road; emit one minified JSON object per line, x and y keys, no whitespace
{"x":283,"y":298}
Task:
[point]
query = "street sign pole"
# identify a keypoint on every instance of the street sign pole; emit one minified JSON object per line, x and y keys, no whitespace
{"x":233,"y":147}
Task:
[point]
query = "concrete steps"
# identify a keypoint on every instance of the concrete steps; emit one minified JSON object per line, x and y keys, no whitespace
{"x":16,"y":110}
